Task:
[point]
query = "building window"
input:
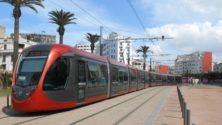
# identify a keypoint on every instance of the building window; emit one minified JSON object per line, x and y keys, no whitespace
{"x":21,"y":46}
{"x":3,"y":59}
{"x":5,"y":47}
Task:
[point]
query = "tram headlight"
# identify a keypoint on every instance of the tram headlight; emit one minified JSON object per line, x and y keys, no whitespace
{"x":22,"y":93}
{"x":30,"y":91}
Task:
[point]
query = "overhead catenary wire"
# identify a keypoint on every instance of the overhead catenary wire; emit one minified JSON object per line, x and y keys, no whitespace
{"x":137,"y":16}
{"x":99,"y":21}
{"x":91,"y":15}
{"x":90,"y":21}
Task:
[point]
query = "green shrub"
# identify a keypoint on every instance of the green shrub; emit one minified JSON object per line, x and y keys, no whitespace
{"x":5,"y":79}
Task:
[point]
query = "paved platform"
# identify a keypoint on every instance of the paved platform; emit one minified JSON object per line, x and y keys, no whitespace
{"x":137,"y":108}
{"x":171,"y":112}
{"x":151,"y":106}
{"x":204,"y":103}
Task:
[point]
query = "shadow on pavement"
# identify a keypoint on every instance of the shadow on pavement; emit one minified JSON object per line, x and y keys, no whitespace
{"x":10,"y":112}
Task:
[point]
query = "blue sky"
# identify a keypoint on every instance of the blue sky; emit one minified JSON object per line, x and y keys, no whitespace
{"x":195,"y":25}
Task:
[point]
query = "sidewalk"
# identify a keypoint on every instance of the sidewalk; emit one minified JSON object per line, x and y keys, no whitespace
{"x":171,"y":112}
{"x":204,"y":103}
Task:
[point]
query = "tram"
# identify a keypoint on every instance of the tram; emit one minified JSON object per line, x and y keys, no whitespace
{"x":53,"y":77}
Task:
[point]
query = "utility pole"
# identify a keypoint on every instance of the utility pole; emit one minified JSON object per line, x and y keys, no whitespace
{"x":128,"y":57}
{"x":150,"y":64}
{"x":155,"y":55}
{"x":100,"y":41}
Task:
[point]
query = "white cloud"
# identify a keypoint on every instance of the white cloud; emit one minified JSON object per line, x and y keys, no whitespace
{"x":156,"y":49}
{"x":188,"y":38}
{"x":181,"y":11}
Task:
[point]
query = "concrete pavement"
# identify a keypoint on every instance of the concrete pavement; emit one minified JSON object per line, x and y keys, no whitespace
{"x":155,"y":105}
{"x":130,"y":109}
{"x":171,"y":112}
{"x":204,"y":103}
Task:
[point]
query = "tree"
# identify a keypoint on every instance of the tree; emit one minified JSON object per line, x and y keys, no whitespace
{"x":92,"y":39}
{"x":5,"y":79}
{"x":17,"y":4}
{"x":144,"y":50}
{"x":61,"y":18}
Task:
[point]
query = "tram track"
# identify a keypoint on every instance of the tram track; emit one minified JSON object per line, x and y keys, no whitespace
{"x":138,"y":107}
{"x":113,"y":106}
{"x":27,"y":121}
{"x":44,"y":116}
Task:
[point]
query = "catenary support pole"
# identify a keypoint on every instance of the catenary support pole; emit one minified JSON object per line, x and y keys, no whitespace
{"x":100,"y":41}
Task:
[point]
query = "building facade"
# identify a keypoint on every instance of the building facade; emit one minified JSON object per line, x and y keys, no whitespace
{"x":6,"y":51}
{"x":2,"y":31}
{"x":138,"y":63}
{"x":197,"y":62}
{"x":217,"y":67}
{"x":39,"y":38}
{"x":117,"y":48}
{"x":162,"y":69}
{"x":84,"y":46}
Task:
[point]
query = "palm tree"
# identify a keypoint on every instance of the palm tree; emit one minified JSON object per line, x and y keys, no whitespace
{"x":144,"y":50}
{"x":92,"y":39}
{"x":61,"y":18}
{"x":17,"y":4}
{"x":5,"y":79}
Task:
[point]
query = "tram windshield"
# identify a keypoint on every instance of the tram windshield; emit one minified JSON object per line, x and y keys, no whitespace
{"x":29,"y":71}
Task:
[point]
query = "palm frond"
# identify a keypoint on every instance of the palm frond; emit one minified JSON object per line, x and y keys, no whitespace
{"x":92,"y":38}
{"x":32,"y":7}
{"x":8,"y":1}
{"x":25,"y":3}
{"x":61,"y":17}
{"x":143,"y":49}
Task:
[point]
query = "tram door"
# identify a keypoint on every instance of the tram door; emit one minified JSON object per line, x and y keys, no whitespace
{"x":81,"y":84}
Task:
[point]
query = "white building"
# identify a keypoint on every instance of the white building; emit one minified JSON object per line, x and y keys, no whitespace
{"x":138,"y":63}
{"x":6,"y":51}
{"x":117,"y":48}
{"x":196,"y":62}
{"x":190,"y":63}
{"x":84,"y":46}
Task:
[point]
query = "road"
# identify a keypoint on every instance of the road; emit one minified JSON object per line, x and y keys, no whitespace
{"x":137,"y":108}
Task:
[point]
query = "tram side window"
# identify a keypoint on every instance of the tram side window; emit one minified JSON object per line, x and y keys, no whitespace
{"x":142,"y":77}
{"x":125,"y":77}
{"x":158,"y":77}
{"x":97,"y":75}
{"x":164,"y":78}
{"x":133,"y":76}
{"x":104,"y":72}
{"x":121,"y":76}
{"x":146,"y":77}
{"x":151,"y":77}
{"x":115,"y":80}
{"x":57,"y":75}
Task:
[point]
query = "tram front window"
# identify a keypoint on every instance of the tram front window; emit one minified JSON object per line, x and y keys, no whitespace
{"x":56,"y":77}
{"x":29,"y":71}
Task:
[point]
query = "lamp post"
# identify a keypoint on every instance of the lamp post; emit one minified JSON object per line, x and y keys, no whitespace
{"x":100,"y":41}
